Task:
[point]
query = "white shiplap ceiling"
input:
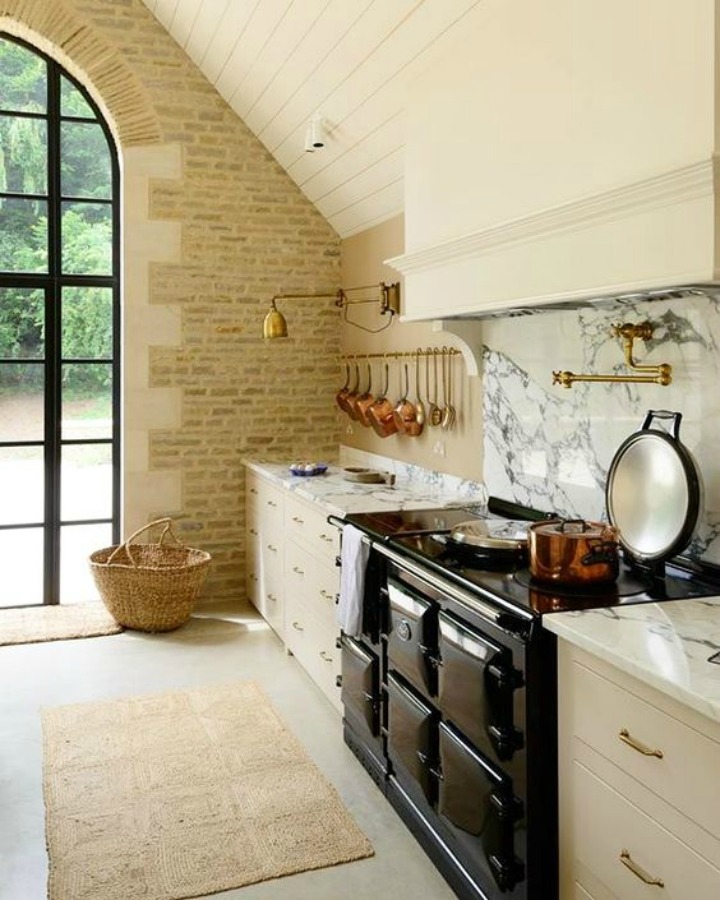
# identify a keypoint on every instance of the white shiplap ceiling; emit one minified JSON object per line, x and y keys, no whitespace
{"x":279,"y":63}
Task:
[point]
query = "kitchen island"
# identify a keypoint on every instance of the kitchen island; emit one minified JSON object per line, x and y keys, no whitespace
{"x":639,"y":750}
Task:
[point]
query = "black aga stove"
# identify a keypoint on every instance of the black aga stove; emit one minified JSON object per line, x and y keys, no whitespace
{"x":449,"y":696}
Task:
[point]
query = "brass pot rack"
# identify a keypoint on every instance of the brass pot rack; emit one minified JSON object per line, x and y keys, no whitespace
{"x":401,"y":354}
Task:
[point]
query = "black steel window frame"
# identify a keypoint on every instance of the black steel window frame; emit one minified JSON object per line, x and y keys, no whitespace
{"x":52,"y":283}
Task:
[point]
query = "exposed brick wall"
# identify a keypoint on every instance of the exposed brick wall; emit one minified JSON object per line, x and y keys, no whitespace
{"x":247,"y":233}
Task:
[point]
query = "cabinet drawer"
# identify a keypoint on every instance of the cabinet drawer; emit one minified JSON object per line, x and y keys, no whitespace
{"x":265,"y":500}
{"x":309,"y":526}
{"x":313,"y":642}
{"x":318,"y":584}
{"x":629,"y":731}
{"x":613,"y":837}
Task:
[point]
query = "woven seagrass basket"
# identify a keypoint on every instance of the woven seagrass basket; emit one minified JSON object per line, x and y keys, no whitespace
{"x":150,"y":587}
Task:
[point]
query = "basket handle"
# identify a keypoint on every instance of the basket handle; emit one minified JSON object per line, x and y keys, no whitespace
{"x":167,"y":522}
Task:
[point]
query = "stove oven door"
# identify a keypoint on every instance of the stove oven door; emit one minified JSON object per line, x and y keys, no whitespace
{"x":412,"y":637}
{"x":411,"y":738}
{"x":360,"y":687}
{"x":476,"y":803}
{"x":476,"y":686}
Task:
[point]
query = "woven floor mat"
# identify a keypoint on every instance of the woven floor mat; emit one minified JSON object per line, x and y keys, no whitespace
{"x":55,"y":623}
{"x":182,"y":795}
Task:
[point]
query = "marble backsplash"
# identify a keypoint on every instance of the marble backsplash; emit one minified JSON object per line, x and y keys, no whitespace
{"x":550,"y":447}
{"x":407,"y":473}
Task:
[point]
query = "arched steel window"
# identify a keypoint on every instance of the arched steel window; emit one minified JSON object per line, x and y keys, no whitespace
{"x":59,"y":331}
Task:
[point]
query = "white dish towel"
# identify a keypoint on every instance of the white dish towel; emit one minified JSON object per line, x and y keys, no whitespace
{"x":354,"y":557}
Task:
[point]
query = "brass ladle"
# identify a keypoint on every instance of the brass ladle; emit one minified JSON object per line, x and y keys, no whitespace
{"x":419,"y":405}
{"x":434,"y":413}
{"x":449,"y":414}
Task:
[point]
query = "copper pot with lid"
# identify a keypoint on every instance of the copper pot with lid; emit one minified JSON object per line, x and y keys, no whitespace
{"x":573,"y":552}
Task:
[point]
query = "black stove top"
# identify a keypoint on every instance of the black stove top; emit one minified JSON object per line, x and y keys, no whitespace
{"x":423,"y":535}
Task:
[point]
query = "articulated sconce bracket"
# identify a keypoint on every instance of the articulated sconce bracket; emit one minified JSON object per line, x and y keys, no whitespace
{"x":661,"y":374}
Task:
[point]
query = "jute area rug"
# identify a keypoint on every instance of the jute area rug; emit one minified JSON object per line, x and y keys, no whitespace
{"x":55,"y":623}
{"x":182,"y":795}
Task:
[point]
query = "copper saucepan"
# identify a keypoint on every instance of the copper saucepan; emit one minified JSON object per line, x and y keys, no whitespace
{"x":380,"y":412}
{"x":346,"y":395}
{"x":573,"y":552}
{"x":365,"y":401}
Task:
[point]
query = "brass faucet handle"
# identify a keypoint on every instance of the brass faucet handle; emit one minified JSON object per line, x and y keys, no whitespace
{"x":564,"y":378}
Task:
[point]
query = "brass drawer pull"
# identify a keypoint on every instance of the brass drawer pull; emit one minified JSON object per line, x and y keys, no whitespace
{"x":326,"y":656}
{"x":297,"y":626}
{"x":272,"y":598}
{"x":638,"y":871}
{"x":326,"y":595}
{"x":298,"y":570}
{"x":324,"y":537}
{"x":298,"y":520}
{"x":271,"y":503}
{"x":253,"y":490}
{"x":270,"y":547}
{"x":253,"y":531}
{"x":626,"y":738}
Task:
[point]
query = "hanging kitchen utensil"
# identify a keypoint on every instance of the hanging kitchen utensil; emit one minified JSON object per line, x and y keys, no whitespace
{"x":365,"y":401}
{"x":404,"y":412}
{"x":345,"y":398}
{"x":434,"y":413}
{"x":420,"y":414}
{"x":654,"y":493}
{"x":448,"y":416}
{"x":380,"y":412}
{"x":573,"y":552}
{"x":342,"y":393}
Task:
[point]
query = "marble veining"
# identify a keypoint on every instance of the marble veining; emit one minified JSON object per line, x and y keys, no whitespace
{"x":338,"y":496}
{"x":408,"y":473}
{"x":666,"y":645}
{"x":551,"y":447}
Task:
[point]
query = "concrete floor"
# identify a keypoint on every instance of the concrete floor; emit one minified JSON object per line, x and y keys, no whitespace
{"x":219,"y":645}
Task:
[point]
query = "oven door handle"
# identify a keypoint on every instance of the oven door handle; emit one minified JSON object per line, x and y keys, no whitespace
{"x":469,"y":601}
{"x":434,"y":661}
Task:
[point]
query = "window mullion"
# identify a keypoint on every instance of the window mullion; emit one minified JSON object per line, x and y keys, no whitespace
{"x":53,"y":344}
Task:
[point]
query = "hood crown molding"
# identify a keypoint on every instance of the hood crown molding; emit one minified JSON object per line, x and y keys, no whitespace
{"x":683,"y":185}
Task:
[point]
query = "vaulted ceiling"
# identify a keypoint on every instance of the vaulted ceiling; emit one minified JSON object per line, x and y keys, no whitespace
{"x":282,"y":63}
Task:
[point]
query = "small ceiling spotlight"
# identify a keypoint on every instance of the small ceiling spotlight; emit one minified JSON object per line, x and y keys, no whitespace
{"x":316,"y":134}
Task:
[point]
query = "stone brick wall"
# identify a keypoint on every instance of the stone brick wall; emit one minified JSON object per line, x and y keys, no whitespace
{"x":240,"y":232}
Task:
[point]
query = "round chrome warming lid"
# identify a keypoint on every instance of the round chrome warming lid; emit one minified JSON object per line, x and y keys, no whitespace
{"x":653,"y":491}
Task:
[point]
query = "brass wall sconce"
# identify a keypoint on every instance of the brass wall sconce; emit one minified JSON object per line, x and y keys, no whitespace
{"x":275,"y":325}
{"x":660,"y":374}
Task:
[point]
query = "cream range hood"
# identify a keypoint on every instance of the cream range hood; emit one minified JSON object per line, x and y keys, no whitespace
{"x":564,"y":153}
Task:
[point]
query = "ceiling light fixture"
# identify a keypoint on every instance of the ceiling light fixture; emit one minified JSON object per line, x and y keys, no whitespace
{"x":316,"y":134}
{"x":275,"y":325}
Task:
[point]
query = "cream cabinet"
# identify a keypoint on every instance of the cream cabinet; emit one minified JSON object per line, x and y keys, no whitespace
{"x":265,"y":551}
{"x":292,"y":578}
{"x":312,"y":582}
{"x":639,"y":788}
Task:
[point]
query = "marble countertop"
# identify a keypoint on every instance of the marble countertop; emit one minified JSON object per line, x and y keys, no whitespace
{"x":666,"y":645}
{"x":339,"y":497}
